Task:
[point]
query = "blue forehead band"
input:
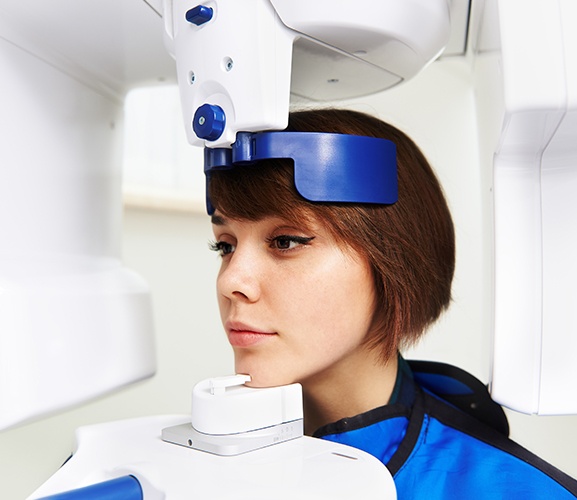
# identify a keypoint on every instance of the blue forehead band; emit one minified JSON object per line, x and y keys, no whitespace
{"x":327,"y":167}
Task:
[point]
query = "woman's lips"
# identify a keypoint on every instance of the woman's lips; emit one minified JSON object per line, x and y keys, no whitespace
{"x":240,"y":335}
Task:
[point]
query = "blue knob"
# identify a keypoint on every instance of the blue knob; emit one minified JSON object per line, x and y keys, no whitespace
{"x":199,"y":15}
{"x":209,"y":122}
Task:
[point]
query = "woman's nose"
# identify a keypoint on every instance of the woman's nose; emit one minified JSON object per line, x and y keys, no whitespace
{"x":239,"y":278}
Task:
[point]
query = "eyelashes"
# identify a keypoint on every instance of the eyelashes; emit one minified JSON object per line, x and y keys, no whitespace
{"x":221,"y":247}
{"x":281,"y":243}
{"x":286,"y":242}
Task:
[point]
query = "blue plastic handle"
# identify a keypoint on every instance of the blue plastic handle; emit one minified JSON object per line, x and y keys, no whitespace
{"x":328,"y":167}
{"x":122,"y":488}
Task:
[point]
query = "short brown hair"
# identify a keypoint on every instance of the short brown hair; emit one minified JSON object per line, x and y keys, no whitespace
{"x":410,"y":245}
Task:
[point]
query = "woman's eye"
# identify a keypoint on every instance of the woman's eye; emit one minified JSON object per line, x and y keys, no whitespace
{"x":221,"y":247}
{"x":289,"y":242}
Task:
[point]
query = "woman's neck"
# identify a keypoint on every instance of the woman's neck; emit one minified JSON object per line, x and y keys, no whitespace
{"x":356,"y":385}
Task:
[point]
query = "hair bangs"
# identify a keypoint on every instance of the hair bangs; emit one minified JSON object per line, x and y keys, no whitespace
{"x":255,"y":191}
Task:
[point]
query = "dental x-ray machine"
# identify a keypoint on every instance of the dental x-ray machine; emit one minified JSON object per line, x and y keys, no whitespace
{"x":64,"y":294}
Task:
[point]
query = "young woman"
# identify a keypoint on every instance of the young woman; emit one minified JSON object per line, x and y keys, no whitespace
{"x":327,"y":294}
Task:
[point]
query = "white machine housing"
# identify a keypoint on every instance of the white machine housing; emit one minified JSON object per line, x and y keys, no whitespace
{"x":75,"y":323}
{"x":527,"y":104}
{"x":303,"y":468}
{"x":316,"y":50}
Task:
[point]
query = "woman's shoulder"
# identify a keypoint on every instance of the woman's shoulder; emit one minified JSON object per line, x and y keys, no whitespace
{"x":454,"y":454}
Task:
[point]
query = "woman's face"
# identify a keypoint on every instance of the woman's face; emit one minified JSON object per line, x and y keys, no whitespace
{"x":295,"y":304}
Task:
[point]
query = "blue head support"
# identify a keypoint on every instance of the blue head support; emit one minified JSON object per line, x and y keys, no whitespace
{"x":327,"y":167}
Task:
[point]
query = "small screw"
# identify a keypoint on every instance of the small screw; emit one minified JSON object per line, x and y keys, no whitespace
{"x":228,"y":63}
{"x":191,"y":77}
{"x":201,"y":120}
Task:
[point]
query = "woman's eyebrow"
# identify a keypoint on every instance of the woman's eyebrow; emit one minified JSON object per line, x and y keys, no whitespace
{"x":218,"y":220}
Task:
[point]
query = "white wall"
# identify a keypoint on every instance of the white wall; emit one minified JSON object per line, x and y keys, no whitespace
{"x":169,"y":250}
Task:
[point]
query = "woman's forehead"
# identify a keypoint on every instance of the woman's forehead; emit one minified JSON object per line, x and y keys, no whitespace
{"x":306,"y":221}
{"x":294,"y":215}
